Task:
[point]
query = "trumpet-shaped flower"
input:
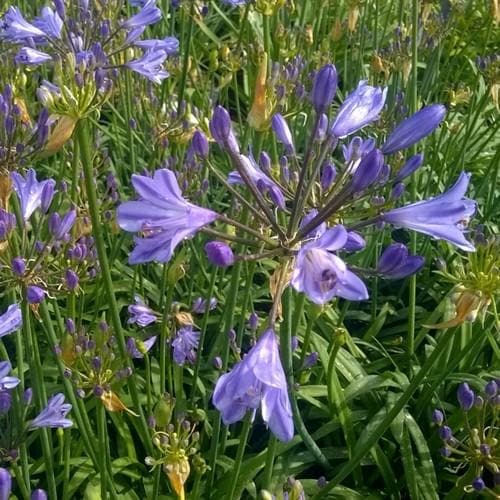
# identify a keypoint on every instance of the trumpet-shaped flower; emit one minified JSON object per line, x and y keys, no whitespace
{"x":16,"y":29}
{"x":11,"y":320}
{"x":140,"y":313}
{"x":162,"y":215}
{"x":149,"y":14}
{"x":184,"y":344}
{"x":7,"y":382}
{"x":442,"y":217}
{"x":31,"y":57}
{"x":29,"y":191}
{"x":54,"y":414}
{"x":360,"y":108}
{"x":322,"y":275}
{"x":257,"y":380}
{"x":396,"y":263}
{"x":150,"y":65}
{"x":50,"y":23}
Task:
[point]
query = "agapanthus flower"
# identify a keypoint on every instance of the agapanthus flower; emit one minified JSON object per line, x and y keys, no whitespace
{"x":11,"y":320}
{"x":140,"y":313}
{"x":185,"y":344}
{"x":7,"y":382}
{"x":199,"y":305}
{"x":163,"y":216}
{"x":442,"y":217}
{"x":263,"y":182}
{"x":32,"y":57}
{"x":321,"y":274}
{"x":169,"y":44}
{"x":137,"y":349}
{"x":16,"y":29}
{"x":396,"y":263}
{"x":5,"y":484}
{"x":149,"y":14}
{"x":54,"y":414}
{"x":150,"y":65}
{"x":360,"y":108}
{"x":257,"y":380}
{"x":29,"y":191}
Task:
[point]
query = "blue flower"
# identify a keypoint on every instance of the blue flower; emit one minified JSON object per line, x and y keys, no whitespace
{"x":396,"y":263}
{"x":16,"y":29}
{"x":11,"y":320}
{"x":7,"y":382}
{"x":257,"y":380}
{"x":54,"y":414}
{"x":29,"y":191}
{"x":322,"y":275}
{"x":149,"y":14}
{"x":140,"y":313}
{"x":150,"y":65}
{"x":162,"y":214}
{"x":170,"y":44}
{"x":442,"y":217}
{"x":31,"y":57}
{"x":184,"y":345}
{"x":50,"y":23}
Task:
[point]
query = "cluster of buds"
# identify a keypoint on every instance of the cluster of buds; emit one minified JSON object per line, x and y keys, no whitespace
{"x":475,"y":443}
{"x":291,"y":490}
{"x":92,"y":364}
{"x":176,"y":440}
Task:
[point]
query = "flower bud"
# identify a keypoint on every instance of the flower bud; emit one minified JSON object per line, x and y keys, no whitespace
{"x":465,"y":396}
{"x":412,"y":164}
{"x":491,"y":388}
{"x":200,"y":144}
{"x":265,"y":162}
{"x":5,"y":484}
{"x":28,"y":396}
{"x":18,"y":266}
{"x":437,"y":417}
{"x":39,"y":494}
{"x":219,"y":253}
{"x":354,"y":243}
{"x":47,"y":195}
{"x":71,"y":279}
{"x":282,"y":131}
{"x":217,"y":362}
{"x":478,"y":484}
{"x":221,"y":130}
{"x":35,"y":294}
{"x":253,"y":321}
{"x":328,"y":175}
{"x":397,"y":190}
{"x":414,"y":128}
{"x":324,"y":87}
{"x":322,"y":128}
{"x":445,"y":433}
{"x":5,"y":402}
{"x":368,"y":171}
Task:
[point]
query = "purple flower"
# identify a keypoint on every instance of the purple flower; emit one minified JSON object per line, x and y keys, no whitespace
{"x":354,"y":243}
{"x":257,"y":380}
{"x":137,"y":349}
{"x":29,"y":191}
{"x":438,"y":417}
{"x":60,"y":227}
{"x":414,"y":128}
{"x":442,"y":217}
{"x":7,"y":382}
{"x":282,"y":131}
{"x":50,"y":23}
{"x":149,"y":14}
{"x":39,"y":494}
{"x":16,"y":28}
{"x":324,"y":87}
{"x":31,"y":57}
{"x":140,"y":313}
{"x":368,"y":171}
{"x":54,"y":414}
{"x":199,"y":144}
{"x":222,"y":131}
{"x":170,"y":45}
{"x":412,"y":164}
{"x":11,"y":320}
{"x":184,"y":344}
{"x":465,"y":396}
{"x":162,"y":214}
{"x":35,"y":294}
{"x":478,"y":484}
{"x":219,"y":254}
{"x":359,"y":109}
{"x":5,"y":484}
{"x":264,"y":183}
{"x":321,"y":275}
{"x":71,"y":279}
{"x":150,"y":65}
{"x":395,"y":263}
{"x":200,"y":305}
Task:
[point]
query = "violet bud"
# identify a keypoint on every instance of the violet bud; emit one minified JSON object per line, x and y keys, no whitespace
{"x":5,"y":484}
{"x":397,"y":190}
{"x":328,"y":175}
{"x":324,"y":88}
{"x":491,"y":388}
{"x":70,"y":325}
{"x":282,"y":131}
{"x":35,"y":294}
{"x":321,"y":482}
{"x":151,"y":421}
{"x":60,"y":9}
{"x":219,"y":253}
{"x":265,"y":162}
{"x":277,"y":197}
{"x":414,"y":128}
{"x":71,"y":279}
{"x":217,"y":362}
{"x":478,"y":484}
{"x":412,"y":164}
{"x":354,"y":243}
{"x":445,"y":433}
{"x":445,"y":452}
{"x":200,"y":144}
{"x":28,"y":396}
{"x":485,"y":449}
{"x":437,"y":417}
{"x":253,"y":321}
{"x":294,"y":343}
{"x":310,"y":360}
{"x":396,"y":263}
{"x":368,"y":171}
{"x":18,"y":266}
{"x":221,"y":130}
{"x":465,"y":396}
{"x":47,"y":195}
{"x":322,"y":128}
{"x":5,"y":402}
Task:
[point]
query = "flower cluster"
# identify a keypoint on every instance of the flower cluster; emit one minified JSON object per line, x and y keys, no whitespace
{"x":474,"y":443}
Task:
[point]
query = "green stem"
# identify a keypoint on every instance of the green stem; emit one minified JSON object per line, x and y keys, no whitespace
{"x":379,"y":431}
{"x":268,"y":470}
{"x":247,"y":424}
{"x":83,"y":134}
{"x":101,"y":435}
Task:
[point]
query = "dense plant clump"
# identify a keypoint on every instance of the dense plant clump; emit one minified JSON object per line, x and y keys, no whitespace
{"x":249,"y":249}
